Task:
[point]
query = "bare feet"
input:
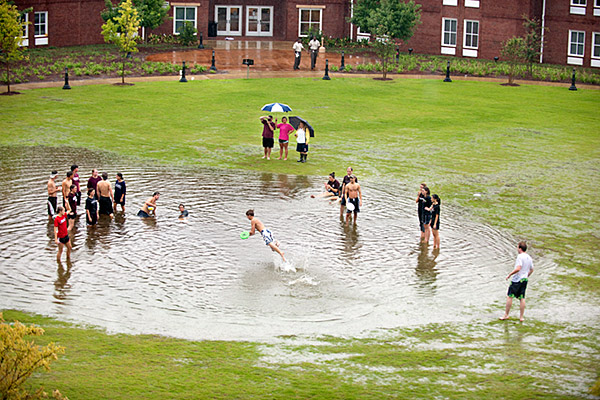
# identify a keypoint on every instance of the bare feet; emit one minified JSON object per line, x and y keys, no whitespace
{"x":279,"y":158}
{"x":264,"y":156}
{"x":521,"y":319}
{"x":504,"y":318}
{"x":285,"y":159}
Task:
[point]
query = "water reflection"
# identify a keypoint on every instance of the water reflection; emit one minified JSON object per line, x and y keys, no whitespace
{"x":197,"y":279}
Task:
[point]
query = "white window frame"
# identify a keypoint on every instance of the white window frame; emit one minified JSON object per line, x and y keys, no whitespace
{"x":45,"y":24}
{"x":311,"y":23}
{"x":184,"y":17}
{"x":594,"y":45}
{"x":444,"y":32}
{"x":25,"y":38}
{"x":472,"y":3}
{"x":580,"y":3}
{"x":597,"y":8}
{"x":571,"y":43}
{"x":259,"y":33}
{"x":465,"y":33}
{"x":450,"y":2}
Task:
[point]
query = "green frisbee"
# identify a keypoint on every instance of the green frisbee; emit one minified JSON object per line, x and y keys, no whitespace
{"x":245,"y":235}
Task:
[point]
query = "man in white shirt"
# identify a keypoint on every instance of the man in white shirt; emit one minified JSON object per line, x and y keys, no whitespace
{"x":520,"y":275}
{"x":313,"y":46}
{"x":298,"y":47}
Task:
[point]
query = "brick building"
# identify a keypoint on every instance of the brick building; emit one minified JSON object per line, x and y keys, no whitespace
{"x":461,"y":28}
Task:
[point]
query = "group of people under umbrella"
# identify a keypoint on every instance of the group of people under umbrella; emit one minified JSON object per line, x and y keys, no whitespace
{"x":286,"y":127}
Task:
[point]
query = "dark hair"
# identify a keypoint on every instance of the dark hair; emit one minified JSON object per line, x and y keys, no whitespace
{"x":54,"y":172}
{"x":90,"y":190}
{"x":155,"y":193}
{"x":427,"y":190}
{"x":120,"y":175}
{"x":181,"y":205}
{"x":72,"y":187}
{"x":437,"y":198}
{"x":69,"y":174}
{"x":59,"y":209}
{"x":523,"y":246}
{"x":74,"y":167}
{"x":104,"y":175}
{"x":270,"y":118}
{"x":250,"y":213}
{"x":332,"y":174}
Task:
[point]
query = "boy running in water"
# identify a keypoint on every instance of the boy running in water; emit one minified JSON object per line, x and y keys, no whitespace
{"x":257,"y":225}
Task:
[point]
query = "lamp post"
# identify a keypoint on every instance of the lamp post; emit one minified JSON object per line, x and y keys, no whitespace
{"x":397,"y":54}
{"x":410,"y":50}
{"x":448,"y":73}
{"x":200,"y":45}
{"x":496,"y":59}
{"x":342,"y":64}
{"x":326,"y":77}
{"x":183,"y":73}
{"x":573,"y":87}
{"x":66,"y":85}
{"x":212,"y":67}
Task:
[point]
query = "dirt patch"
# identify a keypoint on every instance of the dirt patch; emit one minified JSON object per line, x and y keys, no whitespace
{"x":509,"y":84}
{"x":9,"y":93}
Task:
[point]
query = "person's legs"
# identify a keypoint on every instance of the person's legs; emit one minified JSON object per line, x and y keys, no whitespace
{"x":265,"y":151}
{"x":522,"y":309}
{"x":355,"y":216}
{"x":274,"y":247}
{"x":427,"y":233}
{"x":436,"y":238}
{"x":508,"y":306}
{"x":280,"y":151}
{"x":285,"y":146}
{"x":68,"y":249}
{"x":60,"y":248}
{"x":71,"y":223}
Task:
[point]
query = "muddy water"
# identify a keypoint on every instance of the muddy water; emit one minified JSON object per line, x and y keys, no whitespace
{"x":197,"y":279}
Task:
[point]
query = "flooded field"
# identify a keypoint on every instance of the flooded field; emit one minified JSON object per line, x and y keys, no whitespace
{"x":198,"y":280}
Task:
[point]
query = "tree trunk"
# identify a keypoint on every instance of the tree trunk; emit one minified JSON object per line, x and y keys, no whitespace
{"x":384,"y":65}
{"x":8,"y":77}
{"x":123,"y":72}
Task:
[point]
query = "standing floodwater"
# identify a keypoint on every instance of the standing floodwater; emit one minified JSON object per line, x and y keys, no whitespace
{"x":197,"y":279}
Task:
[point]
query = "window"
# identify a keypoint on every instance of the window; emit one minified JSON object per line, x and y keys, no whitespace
{"x":596,"y":45}
{"x":597,"y":3}
{"x":576,"y":43}
{"x":449,"y":31}
{"x":578,"y":2}
{"x":24,"y":21}
{"x":182,"y":15}
{"x":310,"y":18}
{"x":471,"y":34}
{"x":40,"y":23}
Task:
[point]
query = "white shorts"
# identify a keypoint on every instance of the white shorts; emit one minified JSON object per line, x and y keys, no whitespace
{"x":267,"y":236}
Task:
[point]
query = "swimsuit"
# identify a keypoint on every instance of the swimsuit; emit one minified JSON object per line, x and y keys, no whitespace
{"x":143,"y":214}
{"x":354,"y":201}
{"x":105,"y":205}
{"x":267,"y":236}
{"x":52,"y":203}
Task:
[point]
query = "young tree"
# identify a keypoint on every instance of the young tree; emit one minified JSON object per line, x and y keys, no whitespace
{"x":533,"y":40}
{"x":122,"y":31}
{"x":11,"y":30}
{"x":514,"y":50}
{"x":389,"y":22}
{"x":152,"y":13}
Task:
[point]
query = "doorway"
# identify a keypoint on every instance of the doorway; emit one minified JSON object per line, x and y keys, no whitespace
{"x":228,"y":19}
{"x":259,"y":21}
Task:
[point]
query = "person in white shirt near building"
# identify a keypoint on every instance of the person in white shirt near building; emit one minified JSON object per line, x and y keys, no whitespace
{"x":520,"y":275}
{"x":298,"y":47}
{"x":313,"y":46}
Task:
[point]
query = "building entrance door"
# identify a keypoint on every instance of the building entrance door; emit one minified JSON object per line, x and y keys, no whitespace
{"x":259,"y":21}
{"x":228,"y":19}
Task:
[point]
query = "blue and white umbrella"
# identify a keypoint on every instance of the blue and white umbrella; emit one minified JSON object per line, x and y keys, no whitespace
{"x":276,"y":107}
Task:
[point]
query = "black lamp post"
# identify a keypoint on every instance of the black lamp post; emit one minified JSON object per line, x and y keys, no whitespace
{"x":496,"y":59}
{"x":448,"y":73}
{"x":200,"y":45}
{"x":326,"y":77}
{"x":573,"y":87}
{"x":212,"y":67}
{"x":342,"y":64}
{"x":183,"y":73}
{"x":410,"y":50}
{"x":397,"y":54}
{"x":66,"y":85}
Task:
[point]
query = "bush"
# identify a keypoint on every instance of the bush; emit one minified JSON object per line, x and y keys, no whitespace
{"x":348,"y":68}
{"x":187,"y":36}
{"x":19,"y":359}
{"x":334,"y":68}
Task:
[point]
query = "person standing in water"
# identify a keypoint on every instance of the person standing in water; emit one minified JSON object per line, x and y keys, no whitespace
{"x":520,"y":275}
{"x":61,"y":233}
{"x":72,"y":207}
{"x":75,"y":170}
{"x":267,"y":235}
{"x":105,"y":196}
{"x":91,"y":208}
{"x":420,"y":205}
{"x":52,"y":198}
{"x":149,"y":207}
{"x":353,"y":196}
{"x":120,"y":191}
{"x":93,"y":182}
{"x":66,"y":187}
{"x":345,"y":182}
{"x":435,"y":220}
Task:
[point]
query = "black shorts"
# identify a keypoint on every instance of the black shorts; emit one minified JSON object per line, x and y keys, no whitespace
{"x":426,"y":218}
{"x":120,"y":202}
{"x":435,"y":226}
{"x":64,"y":240}
{"x":302,"y":148}
{"x":92,"y":221}
{"x":105,"y":205}
{"x":281,"y":141}
{"x":354,"y":201}
{"x":268,"y":142}
{"x":71,"y":216}
{"x":52,"y":204}
{"x":517,"y":289}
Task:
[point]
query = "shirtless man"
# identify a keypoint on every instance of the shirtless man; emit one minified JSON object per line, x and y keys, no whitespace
{"x":66,"y":187}
{"x":353,"y":195}
{"x":52,"y":198}
{"x":105,"y":196}
{"x":257,"y":225}
{"x":345,"y":181}
{"x":149,"y":207}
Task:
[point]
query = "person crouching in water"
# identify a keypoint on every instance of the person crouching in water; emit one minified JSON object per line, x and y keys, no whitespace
{"x":267,"y":235}
{"x":149,"y":208}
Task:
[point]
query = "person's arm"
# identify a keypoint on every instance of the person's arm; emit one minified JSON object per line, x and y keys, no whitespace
{"x":56,"y":234}
{"x":252,"y":228}
{"x":437,"y":216}
{"x":87,"y":211}
{"x":516,"y":270}
{"x":112,"y":198}
{"x":359,"y":195}
{"x":530,"y":271}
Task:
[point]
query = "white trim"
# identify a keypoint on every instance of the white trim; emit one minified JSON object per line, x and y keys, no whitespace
{"x":309,"y":6}
{"x":450,"y":51}
{"x":472,"y":3}
{"x":184,"y":19}
{"x":450,"y":2}
{"x":594,"y":35}
{"x":312,"y":8}
{"x":474,"y":34}
{"x":469,"y":53}
{"x":228,"y":31}
{"x":581,"y":3}
{"x":570,"y":43}
{"x":25,"y":38}
{"x":577,"y":10}
{"x":543,"y":29}
{"x":259,"y":32}
{"x":575,"y":60}
{"x":41,"y":41}
{"x":45,"y":24}
{"x":595,"y":63}
{"x":596,"y":12}
{"x":443,"y":32}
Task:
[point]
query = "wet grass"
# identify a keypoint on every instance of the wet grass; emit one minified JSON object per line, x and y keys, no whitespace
{"x":492,"y":360}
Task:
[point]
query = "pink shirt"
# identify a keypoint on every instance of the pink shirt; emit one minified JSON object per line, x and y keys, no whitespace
{"x":284,"y":131}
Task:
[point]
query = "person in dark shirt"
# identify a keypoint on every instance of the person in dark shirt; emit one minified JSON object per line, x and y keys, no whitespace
{"x":435,"y":221}
{"x":420,"y":210}
{"x":427,"y":208}
{"x":93,"y":182}
{"x":91,"y":208}
{"x":268,"y":132}
{"x":72,"y":206}
{"x":120,"y":191}
{"x":332,"y":188}
{"x":183,"y":211}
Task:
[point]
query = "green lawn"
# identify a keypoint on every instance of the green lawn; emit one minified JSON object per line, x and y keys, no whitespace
{"x":532,"y":152}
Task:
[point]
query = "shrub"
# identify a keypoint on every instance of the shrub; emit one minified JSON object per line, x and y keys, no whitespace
{"x":19,"y":359}
{"x":334,"y":68}
{"x":187,"y":36}
{"x":348,"y":68}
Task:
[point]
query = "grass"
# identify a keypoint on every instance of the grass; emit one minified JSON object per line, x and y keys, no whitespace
{"x":532,"y":152}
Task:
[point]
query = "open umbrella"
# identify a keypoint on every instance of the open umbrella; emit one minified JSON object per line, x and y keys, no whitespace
{"x":276,"y":107}
{"x":295,"y":121}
